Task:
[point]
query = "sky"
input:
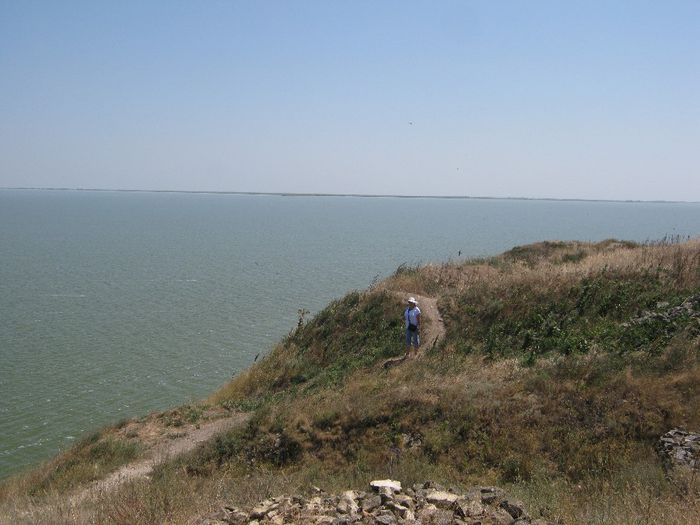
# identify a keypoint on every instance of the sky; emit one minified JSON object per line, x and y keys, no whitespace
{"x":537,"y":99}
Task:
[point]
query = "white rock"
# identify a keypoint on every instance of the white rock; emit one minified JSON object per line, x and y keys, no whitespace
{"x":351,"y":494}
{"x":440,"y":498}
{"x":395,"y":486}
{"x":469,"y":508}
{"x":347,"y":506}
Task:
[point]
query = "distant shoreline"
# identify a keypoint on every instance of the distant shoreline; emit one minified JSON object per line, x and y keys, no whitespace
{"x":356,"y":195}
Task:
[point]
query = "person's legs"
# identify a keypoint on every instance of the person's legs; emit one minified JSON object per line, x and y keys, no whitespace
{"x":415,"y":339}
{"x":412,"y":340}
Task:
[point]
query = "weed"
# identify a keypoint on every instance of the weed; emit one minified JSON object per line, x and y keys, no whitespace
{"x":90,"y":459}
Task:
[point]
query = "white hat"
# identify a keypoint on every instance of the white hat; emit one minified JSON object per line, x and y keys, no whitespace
{"x":412,"y":300}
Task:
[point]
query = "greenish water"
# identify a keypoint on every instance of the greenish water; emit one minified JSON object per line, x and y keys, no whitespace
{"x":116,"y":304}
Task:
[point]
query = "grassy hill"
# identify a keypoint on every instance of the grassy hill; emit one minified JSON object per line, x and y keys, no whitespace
{"x":561,"y":365}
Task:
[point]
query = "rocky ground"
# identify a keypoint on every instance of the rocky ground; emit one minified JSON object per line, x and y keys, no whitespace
{"x":680,"y":449}
{"x":690,"y":308}
{"x":386,"y":502}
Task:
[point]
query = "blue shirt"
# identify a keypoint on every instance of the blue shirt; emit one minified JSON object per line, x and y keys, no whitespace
{"x":411,"y":316}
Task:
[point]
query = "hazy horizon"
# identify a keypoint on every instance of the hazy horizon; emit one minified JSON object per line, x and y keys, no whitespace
{"x":544,"y":100}
{"x":359,"y":195}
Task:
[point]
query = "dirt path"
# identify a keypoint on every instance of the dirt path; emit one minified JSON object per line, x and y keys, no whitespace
{"x":166,"y":448}
{"x":432,"y":332}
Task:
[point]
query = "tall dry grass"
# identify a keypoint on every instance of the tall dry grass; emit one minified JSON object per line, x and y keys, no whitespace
{"x":558,"y":264}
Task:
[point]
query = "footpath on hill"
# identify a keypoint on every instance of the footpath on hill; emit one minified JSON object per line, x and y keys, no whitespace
{"x":164,"y":447}
{"x":432,"y":329}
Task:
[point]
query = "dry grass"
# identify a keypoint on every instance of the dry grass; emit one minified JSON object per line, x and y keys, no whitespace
{"x":547,"y":264}
{"x":636,"y":496}
{"x":639,"y":495}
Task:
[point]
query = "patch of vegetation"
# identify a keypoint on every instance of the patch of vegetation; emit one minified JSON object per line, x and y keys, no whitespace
{"x":182,"y":415}
{"x":574,"y":318}
{"x":531,"y":254}
{"x":92,"y":458}
{"x":352,"y":333}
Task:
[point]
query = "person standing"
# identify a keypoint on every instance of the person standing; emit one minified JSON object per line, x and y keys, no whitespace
{"x":412,"y":318}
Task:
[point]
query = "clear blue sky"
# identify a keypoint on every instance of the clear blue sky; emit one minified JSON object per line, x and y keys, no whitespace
{"x":534,"y":99}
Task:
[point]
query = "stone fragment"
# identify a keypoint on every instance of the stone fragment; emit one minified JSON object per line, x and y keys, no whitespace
{"x":514,"y":508}
{"x":679,"y":448}
{"x":490,"y":494}
{"x":405,"y":500}
{"x":352,"y":494}
{"x":501,"y":517}
{"x":468,"y":508}
{"x":370,"y":503}
{"x":442,"y":517}
{"x":261,"y":510}
{"x":237,"y":517}
{"x":412,"y":440}
{"x":441,"y":499}
{"x":347,"y":506}
{"x":385,"y":519}
{"x":426,"y":513}
{"x":395,"y":486}
{"x":386,"y":494}
{"x":398,"y":509}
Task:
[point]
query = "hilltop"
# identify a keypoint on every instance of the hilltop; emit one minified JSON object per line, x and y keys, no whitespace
{"x":551,"y":370}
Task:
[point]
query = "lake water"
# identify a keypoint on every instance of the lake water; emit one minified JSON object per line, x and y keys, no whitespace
{"x":115,"y":304}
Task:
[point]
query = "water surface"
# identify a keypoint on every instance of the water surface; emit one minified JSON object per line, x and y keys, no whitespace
{"x":115,"y":304}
